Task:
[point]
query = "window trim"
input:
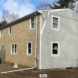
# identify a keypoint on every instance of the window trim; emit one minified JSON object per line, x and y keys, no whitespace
{"x":55,"y":55}
{"x":9,"y":30}
{"x":11,"y":48}
{"x":27,"y":49}
{"x":56,"y":29}
{"x":30,"y":23}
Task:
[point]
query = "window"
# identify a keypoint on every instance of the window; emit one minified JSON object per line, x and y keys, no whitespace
{"x":55,"y":23}
{"x":32,"y":25}
{"x":14,"y":48}
{"x":29,"y":48}
{"x":0,"y":33}
{"x":55,"y":49}
{"x":9,"y":30}
{"x":2,"y":47}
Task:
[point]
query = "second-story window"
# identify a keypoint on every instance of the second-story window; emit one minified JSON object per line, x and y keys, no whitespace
{"x":55,"y":23}
{"x":0,"y":33}
{"x":9,"y":30}
{"x":32,"y":23}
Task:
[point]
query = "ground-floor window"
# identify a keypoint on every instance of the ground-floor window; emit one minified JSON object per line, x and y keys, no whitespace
{"x":2,"y":47}
{"x":29,"y":48}
{"x":54,"y":48}
{"x":14,"y":48}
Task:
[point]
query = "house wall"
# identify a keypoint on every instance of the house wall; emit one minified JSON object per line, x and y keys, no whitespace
{"x":67,"y":37}
{"x":21,"y":35}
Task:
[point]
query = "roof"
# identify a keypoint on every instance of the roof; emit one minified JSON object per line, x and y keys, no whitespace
{"x":54,"y":10}
{"x":34,"y":14}
{"x":21,"y":19}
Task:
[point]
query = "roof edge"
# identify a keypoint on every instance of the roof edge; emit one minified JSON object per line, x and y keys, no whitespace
{"x":21,"y":19}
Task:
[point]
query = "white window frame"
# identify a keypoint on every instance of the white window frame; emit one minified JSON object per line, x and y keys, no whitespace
{"x":30,"y":23}
{"x":55,"y":55}
{"x":56,"y":29}
{"x":11,"y":49}
{"x":9,"y":30}
{"x":0,"y":33}
{"x":29,"y":54}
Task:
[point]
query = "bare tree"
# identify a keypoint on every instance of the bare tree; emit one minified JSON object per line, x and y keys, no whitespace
{"x":9,"y":17}
{"x":5,"y":15}
{"x":14,"y":17}
{"x":43,"y":6}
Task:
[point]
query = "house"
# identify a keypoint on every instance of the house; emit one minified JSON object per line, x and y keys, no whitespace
{"x":46,"y":39}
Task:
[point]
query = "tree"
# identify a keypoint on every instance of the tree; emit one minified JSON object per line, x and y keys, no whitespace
{"x":3,"y":23}
{"x":57,"y":5}
{"x":43,"y":6}
{"x":66,"y":3}
{"x":9,"y":17}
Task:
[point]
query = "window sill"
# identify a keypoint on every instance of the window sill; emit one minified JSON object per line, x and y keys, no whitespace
{"x":29,"y":54}
{"x":13,"y":53}
{"x":55,"y":55}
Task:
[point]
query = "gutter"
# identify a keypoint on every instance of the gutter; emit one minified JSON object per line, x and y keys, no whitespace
{"x":36,"y":58}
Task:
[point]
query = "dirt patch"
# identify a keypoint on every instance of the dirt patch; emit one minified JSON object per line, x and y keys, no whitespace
{"x":69,"y":73}
{"x":8,"y":67}
{"x":73,"y":73}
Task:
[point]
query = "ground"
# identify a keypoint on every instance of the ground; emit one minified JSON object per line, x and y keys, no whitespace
{"x":68,"y":73}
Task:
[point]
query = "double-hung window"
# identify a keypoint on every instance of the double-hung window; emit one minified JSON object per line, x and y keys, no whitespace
{"x":55,"y":48}
{"x":32,"y":23}
{"x":14,"y":48}
{"x":55,"y":23}
{"x":29,"y":48}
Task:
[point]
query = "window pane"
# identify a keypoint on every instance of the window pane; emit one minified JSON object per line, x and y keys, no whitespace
{"x":15,"y":50}
{"x":32,"y":25}
{"x":55,"y":51}
{"x":55,"y":20}
{"x":32,"y":20}
{"x":12,"y":45}
{"x":15,"y":45}
{"x":29,"y":45}
{"x":2,"y":47}
{"x":55,"y":25}
{"x":55,"y":48}
{"x":29,"y":51}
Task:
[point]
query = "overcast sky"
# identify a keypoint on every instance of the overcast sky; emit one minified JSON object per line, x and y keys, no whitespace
{"x":21,"y":7}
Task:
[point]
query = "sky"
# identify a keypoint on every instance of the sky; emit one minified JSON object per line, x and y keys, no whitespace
{"x":21,"y":7}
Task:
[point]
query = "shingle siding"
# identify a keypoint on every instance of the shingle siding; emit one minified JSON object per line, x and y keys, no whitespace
{"x":21,"y":35}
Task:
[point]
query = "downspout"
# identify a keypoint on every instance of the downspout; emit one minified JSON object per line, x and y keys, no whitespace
{"x":36,"y":58}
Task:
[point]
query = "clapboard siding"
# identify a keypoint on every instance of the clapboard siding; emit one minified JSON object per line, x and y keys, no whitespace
{"x":67,"y":37}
